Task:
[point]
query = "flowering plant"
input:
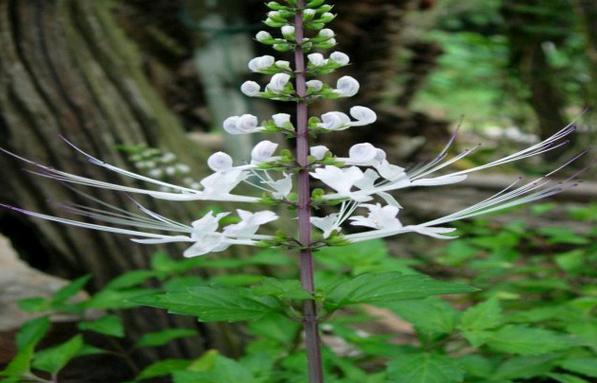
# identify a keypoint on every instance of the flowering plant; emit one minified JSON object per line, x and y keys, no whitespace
{"x":361,"y":186}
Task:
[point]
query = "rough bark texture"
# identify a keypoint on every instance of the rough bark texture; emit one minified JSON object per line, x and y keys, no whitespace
{"x":66,"y":68}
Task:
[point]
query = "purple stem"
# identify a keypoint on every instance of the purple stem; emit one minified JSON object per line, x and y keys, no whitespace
{"x":312,"y":341}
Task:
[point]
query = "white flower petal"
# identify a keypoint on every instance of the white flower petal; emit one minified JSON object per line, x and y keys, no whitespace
{"x":278,"y":82}
{"x":340,"y":58}
{"x":281,"y":119}
{"x":250,"y":88}
{"x":316,"y":59}
{"x":263,"y":151}
{"x":363,"y":115}
{"x":319,"y":152}
{"x":347,"y":86}
{"x":315,"y":85}
{"x":335,"y":121}
{"x":220,"y":162}
{"x":362,"y":154}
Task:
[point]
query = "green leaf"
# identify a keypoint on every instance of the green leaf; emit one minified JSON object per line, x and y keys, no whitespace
{"x":563,"y":235}
{"x":211,"y":304}
{"x":28,"y":336}
{"x":214,"y":368}
{"x":524,"y":340}
{"x":424,"y":368}
{"x":386,"y":287}
{"x":160,"y":338}
{"x":486,"y":315}
{"x":54,"y":359}
{"x":117,"y":299}
{"x":431,"y":315}
{"x":476,"y":365}
{"x":163,"y":367}
{"x":70,"y":290}
{"x":281,"y":289}
{"x":525,"y":367}
{"x":37,"y":304}
{"x":130,"y":279}
{"x":565,"y":378}
{"x":110,"y":325}
{"x":583,"y":366}
{"x":32,"y":332}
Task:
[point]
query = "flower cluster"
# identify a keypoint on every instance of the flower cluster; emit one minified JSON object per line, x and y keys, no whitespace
{"x":363,"y":184}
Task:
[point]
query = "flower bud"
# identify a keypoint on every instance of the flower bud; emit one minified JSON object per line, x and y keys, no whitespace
{"x":319,"y":152}
{"x":278,"y":82}
{"x":288,"y":32}
{"x":363,"y":115}
{"x":314,"y":85}
{"x":263,"y":37}
{"x":315,"y":3}
{"x":259,"y":64}
{"x":309,"y":14}
{"x":250,"y":88}
{"x":282,"y":64}
{"x":281,"y":119}
{"x":316,"y":59}
{"x":263,"y":151}
{"x":247,"y":123}
{"x":327,"y":17}
{"x":362,"y":153}
{"x":327,"y":33}
{"x":340,"y":58}
{"x":230,"y":125}
{"x":281,"y":47}
{"x":347,"y":86}
{"x":334,"y":121}
{"x":220,"y":162}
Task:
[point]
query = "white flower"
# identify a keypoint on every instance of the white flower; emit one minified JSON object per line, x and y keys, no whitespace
{"x":283,"y":64}
{"x":334,"y":121}
{"x":222,"y":183}
{"x":379,"y":217}
{"x":282,"y":187}
{"x":261,"y":63}
{"x":263,"y":152}
{"x":347,"y":86}
{"x":281,"y":119}
{"x":220,"y":162}
{"x":250,"y":223}
{"x":245,"y":124}
{"x":309,"y":12}
{"x":392,"y":172}
{"x":278,"y":82}
{"x":319,"y":152}
{"x":263,"y":36}
{"x":317,"y":59}
{"x":250,"y":88}
{"x":156,"y":173}
{"x":326,"y":33}
{"x":362,"y":154}
{"x":368,"y":180}
{"x":340,"y":58}
{"x":341,"y":180}
{"x":314,"y":85}
{"x":363,"y":115}
{"x":327,"y":224}
{"x":288,"y":31}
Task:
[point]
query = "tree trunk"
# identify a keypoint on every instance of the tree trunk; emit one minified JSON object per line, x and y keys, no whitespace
{"x":66,"y":68}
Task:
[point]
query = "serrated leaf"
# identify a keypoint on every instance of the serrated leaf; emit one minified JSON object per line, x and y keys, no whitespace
{"x":117,"y":299}
{"x":524,"y":340}
{"x":424,"y":368}
{"x":525,"y":367}
{"x":386,"y":287}
{"x":486,"y":315}
{"x":476,"y":365}
{"x":70,"y":290}
{"x":583,"y":366}
{"x":281,"y":289}
{"x":162,"y":368}
{"x":130,"y":279}
{"x":210,"y":304}
{"x":54,"y":359}
{"x":431,"y":315}
{"x":110,"y":325}
{"x":160,"y":338}
{"x":212,"y":368}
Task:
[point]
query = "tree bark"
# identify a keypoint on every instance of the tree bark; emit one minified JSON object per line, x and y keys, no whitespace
{"x":67,"y":69}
